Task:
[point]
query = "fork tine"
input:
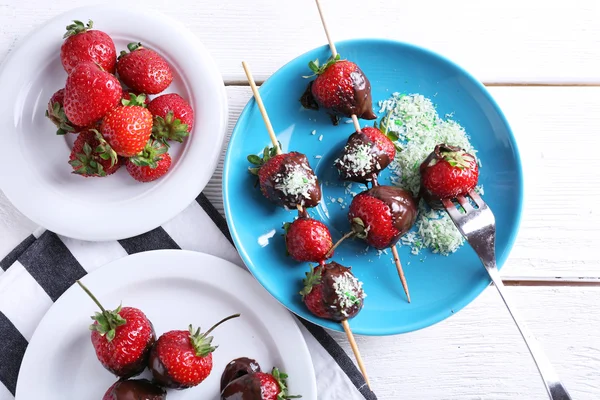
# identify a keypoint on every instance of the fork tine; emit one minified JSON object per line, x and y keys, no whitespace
{"x":464,"y":202}
{"x":451,"y":208}
{"x":476,"y":198}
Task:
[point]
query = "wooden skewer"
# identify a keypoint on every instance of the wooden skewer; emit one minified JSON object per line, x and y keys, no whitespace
{"x":359,"y":360}
{"x":355,"y":121}
{"x":331,"y":44}
{"x":400,"y":272}
{"x":261,"y":107}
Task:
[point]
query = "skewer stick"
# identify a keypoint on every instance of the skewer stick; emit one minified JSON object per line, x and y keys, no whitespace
{"x":400,"y":271}
{"x":355,"y":121}
{"x":261,"y":107}
{"x":359,"y":360}
{"x":331,"y":44}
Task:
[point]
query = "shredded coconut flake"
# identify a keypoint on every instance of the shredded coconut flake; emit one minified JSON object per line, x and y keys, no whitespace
{"x":360,"y":160}
{"x":348,"y":289}
{"x":296,"y":181}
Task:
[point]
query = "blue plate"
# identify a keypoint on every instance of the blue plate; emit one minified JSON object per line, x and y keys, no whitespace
{"x":439,"y":285}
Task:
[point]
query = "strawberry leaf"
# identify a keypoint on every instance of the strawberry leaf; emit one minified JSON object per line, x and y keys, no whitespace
{"x":254,"y":159}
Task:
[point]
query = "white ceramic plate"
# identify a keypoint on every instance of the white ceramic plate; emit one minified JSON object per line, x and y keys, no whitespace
{"x":174,"y":288}
{"x":34,"y":170}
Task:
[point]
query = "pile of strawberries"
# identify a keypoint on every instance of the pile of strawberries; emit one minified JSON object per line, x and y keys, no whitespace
{"x":106,"y":102}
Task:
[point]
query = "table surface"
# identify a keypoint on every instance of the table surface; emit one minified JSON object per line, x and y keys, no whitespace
{"x":541,"y":62}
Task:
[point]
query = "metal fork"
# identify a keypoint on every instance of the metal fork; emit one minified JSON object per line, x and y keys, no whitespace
{"x":478,"y":226}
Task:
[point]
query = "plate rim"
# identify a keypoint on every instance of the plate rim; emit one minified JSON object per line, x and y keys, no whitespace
{"x":465,"y":300}
{"x":189,"y":190}
{"x":136,"y":261}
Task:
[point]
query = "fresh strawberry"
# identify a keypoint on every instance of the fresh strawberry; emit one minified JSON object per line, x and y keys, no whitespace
{"x":56,"y":114}
{"x":122,"y":338}
{"x":448,"y":172}
{"x":92,"y":156}
{"x":127,"y":96}
{"x":307,"y":239}
{"x":144,"y":70}
{"x":135,"y":389}
{"x":90,"y":93}
{"x":85,"y":45}
{"x":331,"y":291}
{"x":151,"y":164}
{"x":182,"y":359}
{"x":128,"y":127}
{"x":366,"y":154}
{"x":382,"y":214}
{"x":342,"y":87}
{"x":259,"y":386}
{"x":173,"y":117}
{"x":286,"y":179}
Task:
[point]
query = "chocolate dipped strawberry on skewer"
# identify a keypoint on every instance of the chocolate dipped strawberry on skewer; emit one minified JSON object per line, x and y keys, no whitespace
{"x":332,"y":292}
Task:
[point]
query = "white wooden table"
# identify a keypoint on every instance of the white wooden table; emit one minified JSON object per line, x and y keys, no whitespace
{"x":541,"y":61}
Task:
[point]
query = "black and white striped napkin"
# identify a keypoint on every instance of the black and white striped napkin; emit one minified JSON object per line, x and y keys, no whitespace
{"x":36,"y":273}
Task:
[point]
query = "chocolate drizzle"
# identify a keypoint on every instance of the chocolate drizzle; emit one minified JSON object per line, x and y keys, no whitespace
{"x":362,"y":159}
{"x":136,"y":389}
{"x":308,"y":194}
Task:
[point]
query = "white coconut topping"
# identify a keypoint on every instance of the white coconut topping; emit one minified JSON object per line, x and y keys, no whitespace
{"x":360,"y":160}
{"x":296,"y":181}
{"x":349,"y":291}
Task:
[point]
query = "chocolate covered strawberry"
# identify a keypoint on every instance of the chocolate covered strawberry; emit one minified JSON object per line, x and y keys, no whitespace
{"x":152,"y":163}
{"x":382,"y":214}
{"x":173,"y":117}
{"x":331,"y":291}
{"x":342,"y":88}
{"x":90,"y":93}
{"x":259,"y":386}
{"x":183,"y":359}
{"x":366,"y":154}
{"x":238,"y":368}
{"x":286,"y":179}
{"x":92,"y":155}
{"x":448,"y":172}
{"x":56,"y":113}
{"x":307,"y":239}
{"x":135,"y":389}
{"x":82,"y":44}
{"x":128,"y":127}
{"x":144,"y":70}
{"x":122,"y":338}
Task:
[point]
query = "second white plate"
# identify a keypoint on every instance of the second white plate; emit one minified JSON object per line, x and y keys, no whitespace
{"x":174,"y":288}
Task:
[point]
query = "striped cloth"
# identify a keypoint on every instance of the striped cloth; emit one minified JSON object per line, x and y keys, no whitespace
{"x":36,"y":273}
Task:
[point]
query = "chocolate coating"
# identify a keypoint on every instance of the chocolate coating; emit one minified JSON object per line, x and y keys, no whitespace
{"x":160,"y":373}
{"x":139,"y":365}
{"x":238,"y":368}
{"x":339,"y":310}
{"x":378,"y":159}
{"x":246,"y":387}
{"x":137,"y":389}
{"x":276,"y":189}
{"x":402,"y":207}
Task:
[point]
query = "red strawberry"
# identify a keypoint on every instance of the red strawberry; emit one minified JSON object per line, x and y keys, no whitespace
{"x":90,"y":93}
{"x":307,"y":239}
{"x":343,"y":88}
{"x":448,"y":172}
{"x":382,"y":214}
{"x":144,"y":70}
{"x":85,"y":45}
{"x":127,"y":96}
{"x":135,"y":389}
{"x":286,"y":179}
{"x":127,"y":128}
{"x":366,"y":154}
{"x":259,"y":386}
{"x":56,"y":114}
{"x":331,"y":291}
{"x":182,"y":359}
{"x":122,"y":338}
{"x":92,"y":156}
{"x":151,"y":164}
{"x":173,"y":117}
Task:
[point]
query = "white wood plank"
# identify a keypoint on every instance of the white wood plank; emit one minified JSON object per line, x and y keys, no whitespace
{"x":560,"y":227}
{"x":478,"y":353}
{"x":501,"y":41}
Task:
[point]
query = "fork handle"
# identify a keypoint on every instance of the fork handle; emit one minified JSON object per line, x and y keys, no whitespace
{"x":555,"y":389}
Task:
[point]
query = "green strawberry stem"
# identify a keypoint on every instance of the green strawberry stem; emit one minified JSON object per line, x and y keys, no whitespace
{"x":135,"y":100}
{"x":281,"y":378}
{"x":134,"y":46}
{"x":313,"y":278}
{"x":107,"y":321}
{"x":77,"y":27}
{"x":169,"y":128}
{"x":346,"y":236}
{"x":201,"y":342}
